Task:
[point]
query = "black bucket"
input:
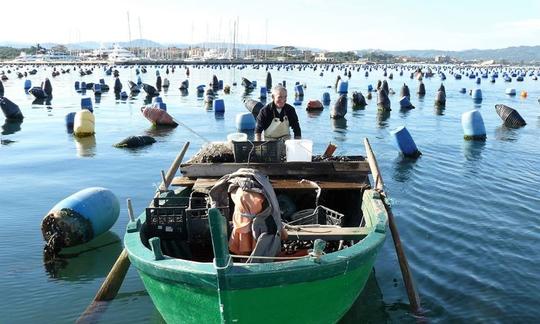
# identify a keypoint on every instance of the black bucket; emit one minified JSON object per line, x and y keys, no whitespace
{"x":510,"y":116}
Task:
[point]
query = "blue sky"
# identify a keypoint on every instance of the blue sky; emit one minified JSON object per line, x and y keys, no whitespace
{"x":325,"y":24}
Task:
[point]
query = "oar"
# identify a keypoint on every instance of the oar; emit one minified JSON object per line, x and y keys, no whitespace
{"x":111,"y":285}
{"x":414,"y":299}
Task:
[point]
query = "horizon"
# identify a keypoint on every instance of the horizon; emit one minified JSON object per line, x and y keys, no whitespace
{"x":344,"y":25}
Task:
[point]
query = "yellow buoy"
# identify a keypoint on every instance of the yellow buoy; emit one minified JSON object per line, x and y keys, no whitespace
{"x":524,"y":94}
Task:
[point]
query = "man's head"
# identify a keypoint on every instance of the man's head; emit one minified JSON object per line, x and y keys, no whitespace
{"x":279,"y":95}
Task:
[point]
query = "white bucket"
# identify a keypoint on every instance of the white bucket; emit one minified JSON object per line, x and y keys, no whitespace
{"x":299,"y":150}
{"x":237,"y":137}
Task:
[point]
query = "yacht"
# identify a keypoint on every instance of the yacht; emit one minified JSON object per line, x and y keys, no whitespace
{"x":119,"y":54}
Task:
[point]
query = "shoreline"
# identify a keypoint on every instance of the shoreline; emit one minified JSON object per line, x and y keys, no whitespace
{"x":256,"y":62}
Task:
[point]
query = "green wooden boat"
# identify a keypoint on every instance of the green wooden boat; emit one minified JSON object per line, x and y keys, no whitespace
{"x":192,"y":278}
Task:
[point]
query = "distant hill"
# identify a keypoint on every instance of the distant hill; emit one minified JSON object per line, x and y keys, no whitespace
{"x":519,"y":54}
{"x":510,"y":54}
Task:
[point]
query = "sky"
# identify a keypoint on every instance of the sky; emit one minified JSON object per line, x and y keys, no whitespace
{"x":334,"y":25}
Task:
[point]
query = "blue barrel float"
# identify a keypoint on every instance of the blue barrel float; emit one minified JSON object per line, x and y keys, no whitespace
{"x":510,"y":116}
{"x":70,"y":119}
{"x":299,"y":91}
{"x":326,"y":98}
{"x":343,"y":87}
{"x":404,"y":142}
{"x":27,"y":85}
{"x":245,"y":121}
{"x":219,"y":106}
{"x":263,"y":93}
{"x":473,"y":126}
{"x":86,"y":103}
{"x":79,"y":218}
{"x":158,"y":102}
{"x":477,"y":95}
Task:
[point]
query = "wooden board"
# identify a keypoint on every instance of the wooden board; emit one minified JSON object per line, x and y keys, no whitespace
{"x":354,"y":169}
{"x":328,"y":233}
{"x":276,"y":184}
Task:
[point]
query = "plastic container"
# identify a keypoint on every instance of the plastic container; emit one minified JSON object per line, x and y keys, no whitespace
{"x":237,"y":137}
{"x":86,"y":103}
{"x":343,"y":87}
{"x":404,"y":142}
{"x":299,"y":90}
{"x":82,"y":216}
{"x":245,"y":121}
{"x":83,"y":123}
{"x":510,"y":91}
{"x":28,"y":85}
{"x":477,"y":95}
{"x":326,"y":98}
{"x":473,"y":125}
{"x":510,"y":116}
{"x":299,"y":150}
{"x":219,"y":106}
{"x":257,"y":152}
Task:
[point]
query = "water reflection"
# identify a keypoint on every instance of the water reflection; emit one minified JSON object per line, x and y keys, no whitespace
{"x":42,"y":101}
{"x":87,"y":261}
{"x":472,"y":150}
{"x":404,"y":112}
{"x":314,"y":113}
{"x":403,"y":169}
{"x":86,"y":146}
{"x":382,"y":117}
{"x":439,"y":111}
{"x":219,"y":115}
{"x":157,"y":131}
{"x":369,"y":307}
{"x":339,"y":125}
{"x":503,"y":133}
{"x":11,"y":126}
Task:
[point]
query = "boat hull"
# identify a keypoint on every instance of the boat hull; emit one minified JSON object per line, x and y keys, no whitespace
{"x":321,"y":301}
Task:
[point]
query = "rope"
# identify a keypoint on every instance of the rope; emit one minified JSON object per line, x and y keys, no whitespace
{"x":229,"y":261}
{"x":191,"y":130}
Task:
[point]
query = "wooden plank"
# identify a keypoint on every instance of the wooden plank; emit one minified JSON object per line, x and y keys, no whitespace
{"x":276,"y":183}
{"x":346,"y":169}
{"x":327,"y":233}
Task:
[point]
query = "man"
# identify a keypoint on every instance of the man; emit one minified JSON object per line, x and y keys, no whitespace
{"x":276,"y":117}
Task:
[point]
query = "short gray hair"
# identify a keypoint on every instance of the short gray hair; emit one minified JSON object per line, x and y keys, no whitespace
{"x":278,"y":88}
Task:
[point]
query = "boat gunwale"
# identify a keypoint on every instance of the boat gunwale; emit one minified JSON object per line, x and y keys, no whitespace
{"x":244,"y":275}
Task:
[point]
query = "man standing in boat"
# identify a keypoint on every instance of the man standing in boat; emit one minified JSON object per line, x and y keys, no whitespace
{"x":277,"y":117}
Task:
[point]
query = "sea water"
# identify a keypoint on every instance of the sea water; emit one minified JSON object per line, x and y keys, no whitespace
{"x":467,"y":211}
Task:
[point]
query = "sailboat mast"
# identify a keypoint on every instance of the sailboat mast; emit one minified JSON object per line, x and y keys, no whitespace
{"x":129,"y":29}
{"x":140,"y":35}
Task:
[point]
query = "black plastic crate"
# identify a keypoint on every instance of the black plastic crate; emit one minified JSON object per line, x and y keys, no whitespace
{"x":168,"y":220}
{"x":257,"y":152}
{"x":197,"y":225}
{"x":185,"y":218}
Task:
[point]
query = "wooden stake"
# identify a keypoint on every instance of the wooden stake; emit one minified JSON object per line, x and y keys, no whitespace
{"x":414,"y":299}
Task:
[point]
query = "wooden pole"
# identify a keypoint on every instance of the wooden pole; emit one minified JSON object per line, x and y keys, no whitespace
{"x":414,"y":299}
{"x":113,"y":281}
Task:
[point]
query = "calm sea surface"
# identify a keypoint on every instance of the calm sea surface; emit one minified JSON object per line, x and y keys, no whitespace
{"x":468,"y":212}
